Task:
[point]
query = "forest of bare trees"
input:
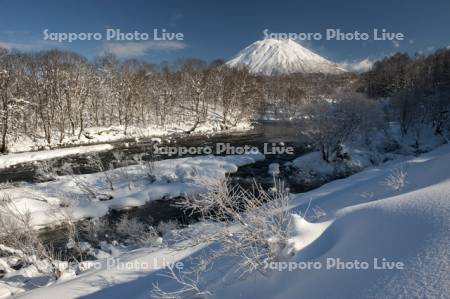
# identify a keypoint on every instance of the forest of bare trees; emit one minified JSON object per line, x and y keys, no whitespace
{"x":54,"y":94}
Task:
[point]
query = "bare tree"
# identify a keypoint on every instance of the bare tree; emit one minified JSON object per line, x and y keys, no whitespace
{"x":330,"y":123}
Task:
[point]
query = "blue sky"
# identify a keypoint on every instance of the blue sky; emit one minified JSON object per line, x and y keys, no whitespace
{"x":214,"y":29}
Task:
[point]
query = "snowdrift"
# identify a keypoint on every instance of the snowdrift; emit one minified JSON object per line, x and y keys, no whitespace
{"x":365,"y":219}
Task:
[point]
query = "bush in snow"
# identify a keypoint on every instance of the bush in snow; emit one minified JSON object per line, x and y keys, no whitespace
{"x":90,"y":190}
{"x":122,"y":163}
{"x":396,"y":179}
{"x":253,"y":230}
{"x":46,"y":170}
{"x":314,"y":214}
{"x":166,"y":227}
{"x":261,"y":218}
{"x":189,"y":283}
{"x":97,"y":164}
{"x":20,"y":241}
{"x":96,"y":230}
{"x":135,"y":231}
{"x":147,"y":167}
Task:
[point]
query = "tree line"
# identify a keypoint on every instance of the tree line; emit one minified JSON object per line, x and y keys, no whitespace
{"x":58,"y":94}
{"x":418,"y":88}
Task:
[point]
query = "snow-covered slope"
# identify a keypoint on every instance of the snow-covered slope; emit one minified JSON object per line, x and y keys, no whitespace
{"x":365,"y":219}
{"x":277,"y":57}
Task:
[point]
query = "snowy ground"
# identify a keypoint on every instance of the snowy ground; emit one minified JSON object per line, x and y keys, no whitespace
{"x":360,"y":154}
{"x":362,"y":217}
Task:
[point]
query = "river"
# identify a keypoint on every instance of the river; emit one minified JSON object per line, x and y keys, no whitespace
{"x":285,"y":133}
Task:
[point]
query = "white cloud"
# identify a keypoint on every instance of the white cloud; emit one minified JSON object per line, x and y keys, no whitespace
{"x":358,"y":66}
{"x":19,"y":46}
{"x":136,"y":49}
{"x":29,"y":46}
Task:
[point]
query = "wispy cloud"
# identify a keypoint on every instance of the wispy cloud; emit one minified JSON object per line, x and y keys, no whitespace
{"x":28,"y":46}
{"x":136,"y":49}
{"x":15,"y":32}
{"x":19,"y":46}
{"x":358,"y":66}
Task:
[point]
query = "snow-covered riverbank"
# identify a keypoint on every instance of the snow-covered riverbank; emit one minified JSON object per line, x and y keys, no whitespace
{"x":94,"y":195}
{"x":18,"y":158}
{"x":98,"y":135}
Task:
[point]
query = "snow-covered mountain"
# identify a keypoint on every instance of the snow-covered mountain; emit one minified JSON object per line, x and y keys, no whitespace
{"x":277,"y":57}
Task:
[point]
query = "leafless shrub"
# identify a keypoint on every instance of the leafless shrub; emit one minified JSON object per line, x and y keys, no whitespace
{"x":122,"y":164}
{"x":19,"y":238}
{"x":96,"y":229}
{"x":254,"y":230}
{"x":46,"y":170}
{"x":314,"y":214}
{"x":147,"y":166}
{"x":89,"y":190}
{"x":396,"y":179}
{"x":95,"y":162}
{"x":71,"y":227}
{"x":166,"y":227}
{"x":189,"y":283}
{"x":262,"y":218}
{"x":256,"y":222}
{"x":134,"y":230}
